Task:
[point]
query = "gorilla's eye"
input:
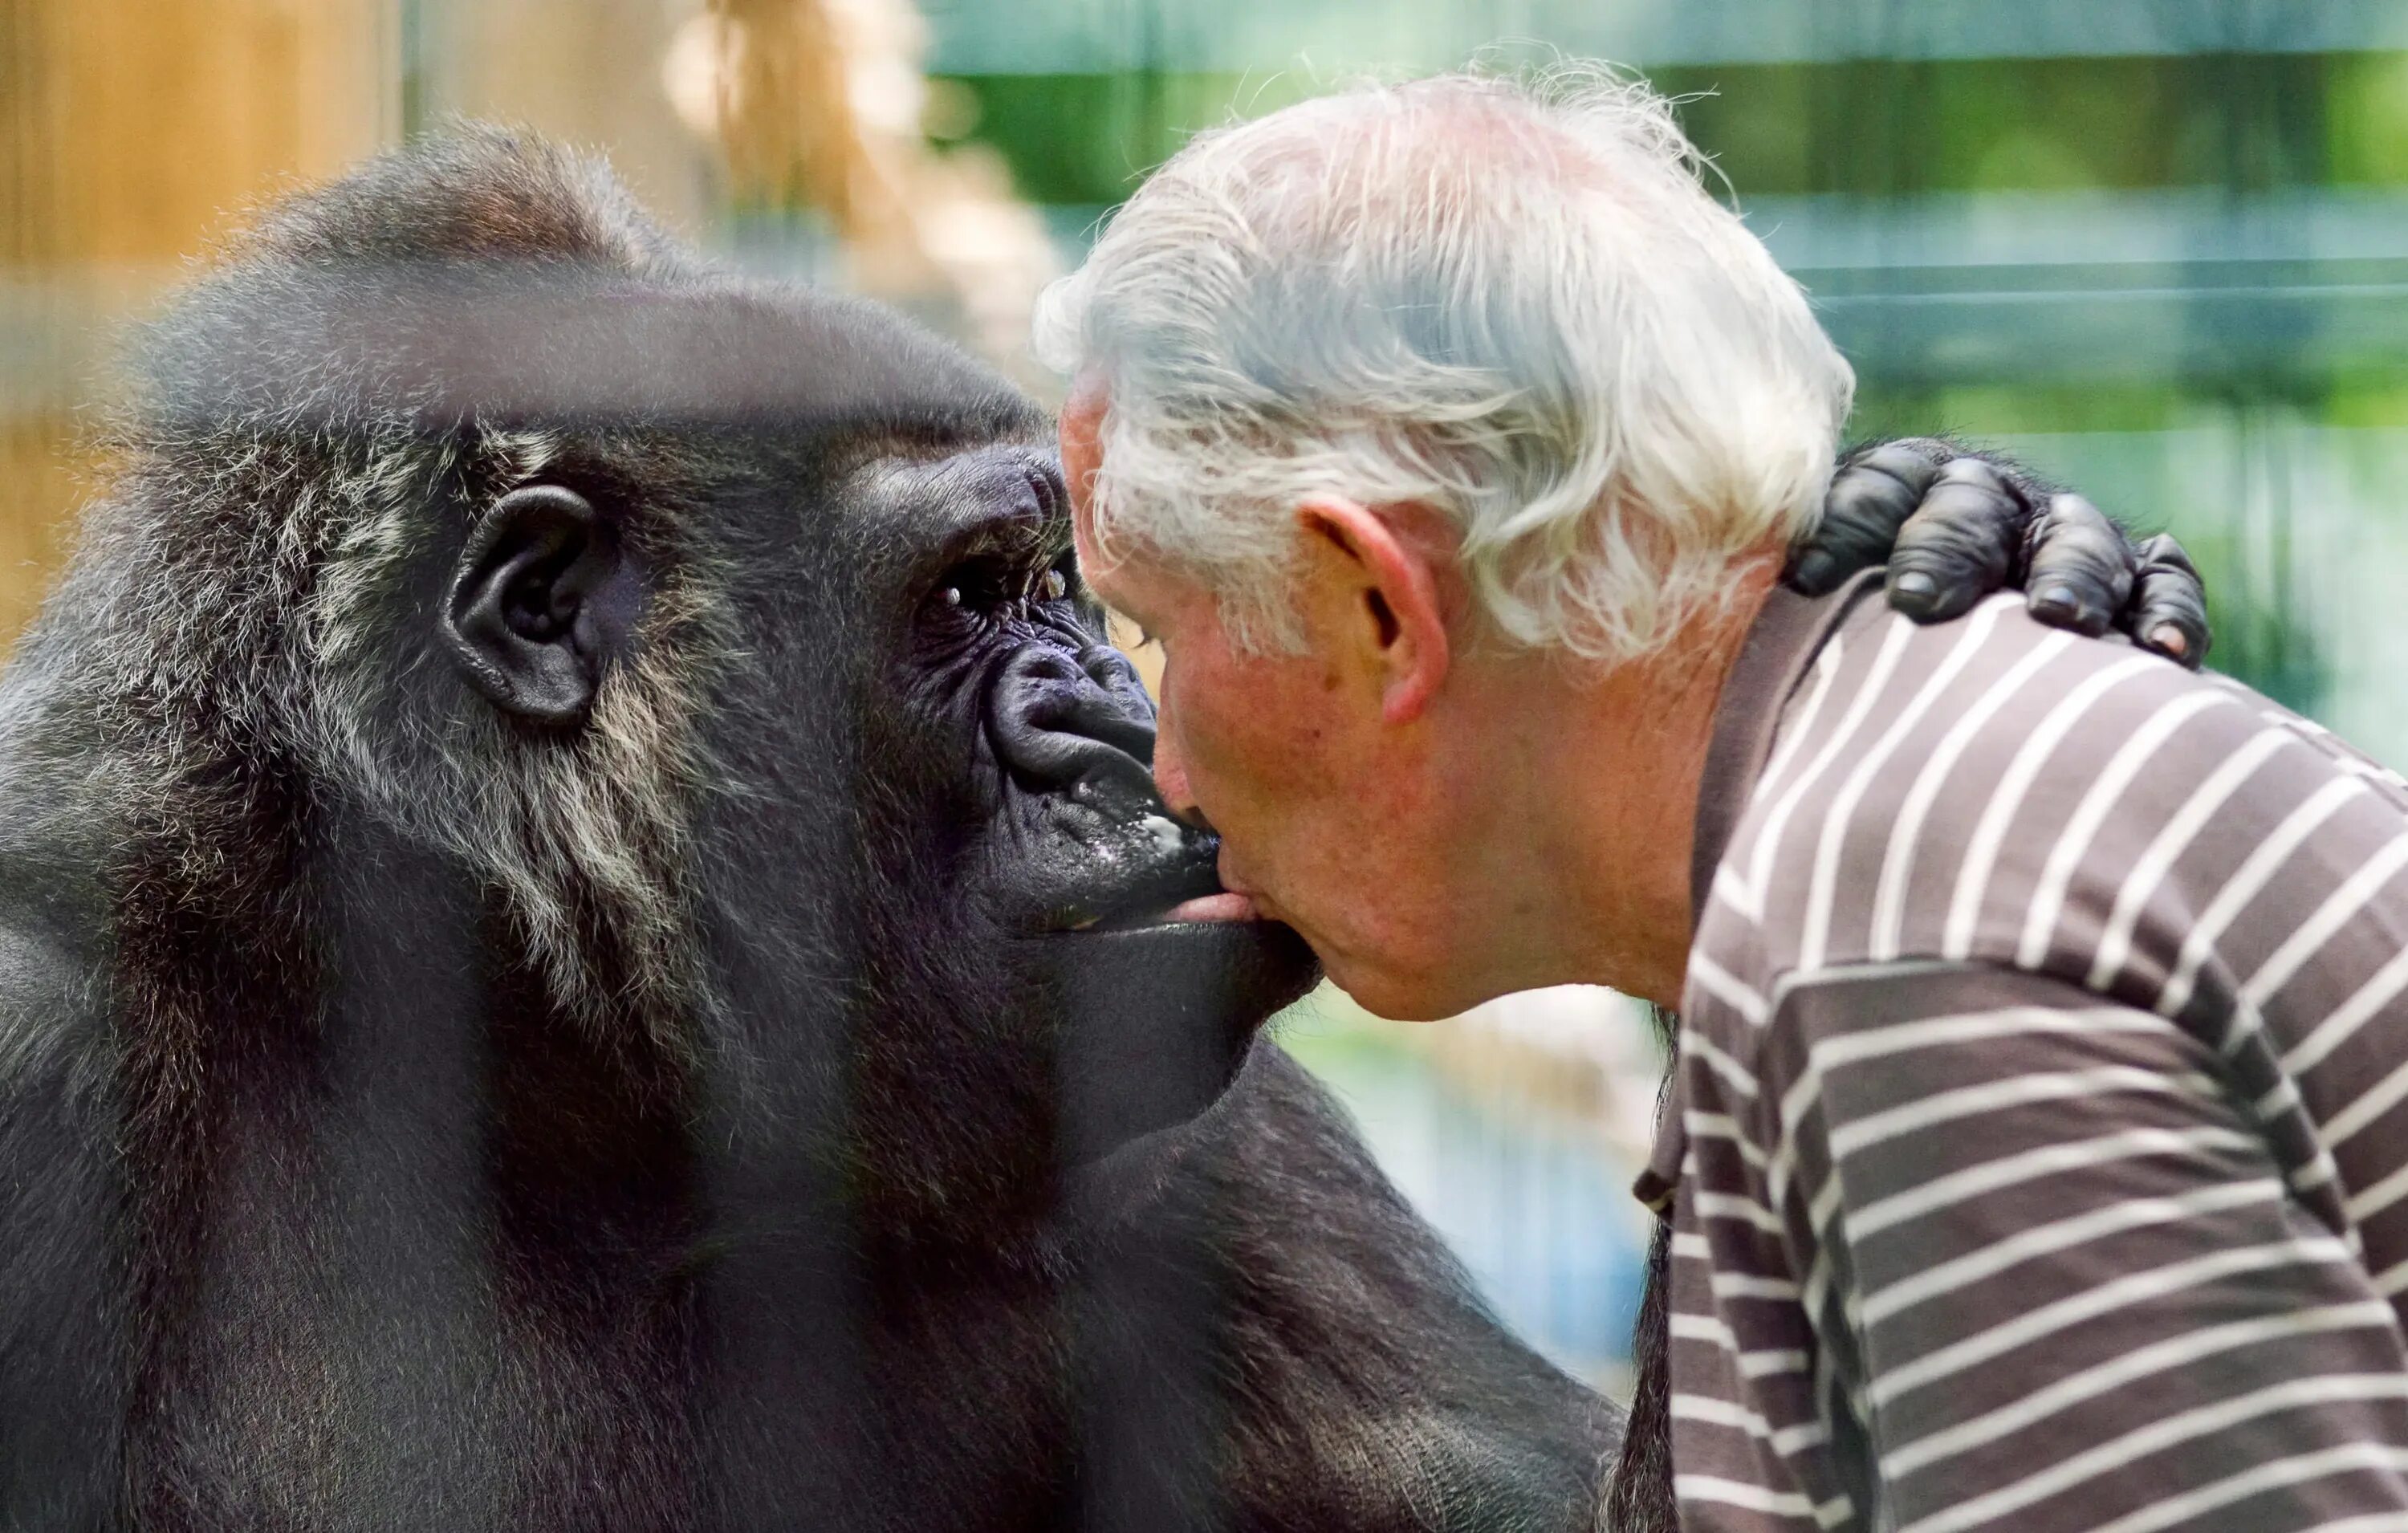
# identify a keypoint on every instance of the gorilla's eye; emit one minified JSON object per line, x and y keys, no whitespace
{"x":1001,"y":588}
{"x":986,"y":586}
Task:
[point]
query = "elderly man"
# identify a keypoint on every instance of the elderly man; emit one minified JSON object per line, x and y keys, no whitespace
{"x":2037,"y":1155}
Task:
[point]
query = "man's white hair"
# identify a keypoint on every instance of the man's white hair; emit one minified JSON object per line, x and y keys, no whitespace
{"x":1508,"y":299}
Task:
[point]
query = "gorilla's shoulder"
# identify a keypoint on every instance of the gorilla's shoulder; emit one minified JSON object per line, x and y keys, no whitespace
{"x":54,"y":926}
{"x":57,"y":818}
{"x":52,"y":987}
{"x":1290,"y":1129}
{"x":1370,"y":1332}
{"x":1288,"y":1159}
{"x":46,"y":982}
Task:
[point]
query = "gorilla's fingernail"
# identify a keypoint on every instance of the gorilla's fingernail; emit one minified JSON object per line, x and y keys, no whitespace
{"x":1814,"y":572}
{"x":2056,"y":599}
{"x":2170,"y":639}
{"x":1916,"y":584}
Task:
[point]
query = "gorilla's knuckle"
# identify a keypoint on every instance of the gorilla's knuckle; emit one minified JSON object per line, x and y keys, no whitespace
{"x":1975,"y":475}
{"x":1907,"y":464}
{"x":2165,"y":555}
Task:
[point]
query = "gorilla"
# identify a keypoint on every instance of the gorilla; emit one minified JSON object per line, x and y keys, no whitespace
{"x":587,"y":942}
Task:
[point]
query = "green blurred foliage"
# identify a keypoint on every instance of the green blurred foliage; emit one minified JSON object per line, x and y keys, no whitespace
{"x":2366,"y":120}
{"x":1871,"y":127}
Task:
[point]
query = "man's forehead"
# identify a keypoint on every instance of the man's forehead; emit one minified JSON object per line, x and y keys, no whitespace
{"x":1090,"y":391}
{"x":1080,"y":421}
{"x":1131,"y":578}
{"x":1128,"y":580}
{"x":1105,"y":575}
{"x":1080,"y":427}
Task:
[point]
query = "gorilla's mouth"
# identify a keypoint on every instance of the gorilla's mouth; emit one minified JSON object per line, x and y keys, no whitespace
{"x":1183,"y":891}
{"x":1159,"y":976}
{"x":1158,"y":1011}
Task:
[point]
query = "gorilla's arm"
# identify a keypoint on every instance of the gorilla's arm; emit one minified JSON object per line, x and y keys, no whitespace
{"x":1954,"y":525}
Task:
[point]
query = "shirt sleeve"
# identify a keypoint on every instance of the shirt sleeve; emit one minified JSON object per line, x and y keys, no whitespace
{"x":2065,"y":1277}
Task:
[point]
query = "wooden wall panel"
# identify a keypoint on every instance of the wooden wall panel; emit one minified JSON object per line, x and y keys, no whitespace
{"x":131,"y":132}
{"x":588,"y":72}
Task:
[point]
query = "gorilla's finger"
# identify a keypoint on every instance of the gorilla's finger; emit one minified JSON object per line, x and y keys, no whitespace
{"x":1868,"y":500}
{"x":2169,"y":607}
{"x":2081,"y":573}
{"x":1959,"y":545}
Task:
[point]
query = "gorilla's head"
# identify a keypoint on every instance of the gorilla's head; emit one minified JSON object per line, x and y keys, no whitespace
{"x":724,"y":636}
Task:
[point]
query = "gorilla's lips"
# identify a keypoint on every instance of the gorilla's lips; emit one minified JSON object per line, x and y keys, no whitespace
{"x":1183,"y":891}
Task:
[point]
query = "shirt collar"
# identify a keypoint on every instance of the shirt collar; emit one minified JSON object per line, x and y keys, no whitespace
{"x":1780,"y":645}
{"x":1788,"y":632}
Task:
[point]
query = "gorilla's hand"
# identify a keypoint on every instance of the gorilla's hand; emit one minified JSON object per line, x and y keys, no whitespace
{"x":1953,"y":526}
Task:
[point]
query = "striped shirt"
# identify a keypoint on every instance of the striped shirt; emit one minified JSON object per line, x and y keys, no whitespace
{"x":2037,"y":1151}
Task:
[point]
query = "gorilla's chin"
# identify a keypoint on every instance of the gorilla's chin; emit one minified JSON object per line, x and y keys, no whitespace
{"x":1156,"y":1020}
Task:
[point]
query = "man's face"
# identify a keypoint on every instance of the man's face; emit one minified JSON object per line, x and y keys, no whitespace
{"x":1327,"y":814}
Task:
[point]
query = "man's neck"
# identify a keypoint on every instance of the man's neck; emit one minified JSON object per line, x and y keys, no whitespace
{"x":1617,"y":784}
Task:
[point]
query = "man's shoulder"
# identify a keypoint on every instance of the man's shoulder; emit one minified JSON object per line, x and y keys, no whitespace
{"x":1994,"y":789}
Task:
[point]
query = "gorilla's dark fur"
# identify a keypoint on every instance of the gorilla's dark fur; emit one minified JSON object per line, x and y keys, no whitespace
{"x":560,"y":848}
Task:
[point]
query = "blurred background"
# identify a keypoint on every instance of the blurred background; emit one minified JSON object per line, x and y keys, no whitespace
{"x":2159,"y":248}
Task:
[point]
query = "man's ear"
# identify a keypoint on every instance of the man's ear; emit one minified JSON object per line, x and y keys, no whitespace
{"x":1399,"y":573}
{"x":530,"y":618}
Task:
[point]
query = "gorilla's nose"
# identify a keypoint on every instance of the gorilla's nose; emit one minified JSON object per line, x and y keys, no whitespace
{"x":1066,"y":724}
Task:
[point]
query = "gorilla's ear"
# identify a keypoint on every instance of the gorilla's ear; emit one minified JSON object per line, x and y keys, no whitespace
{"x":534,"y":613}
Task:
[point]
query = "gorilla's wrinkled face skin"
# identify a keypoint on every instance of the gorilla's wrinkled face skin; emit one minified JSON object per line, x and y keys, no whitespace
{"x":911,"y":632}
{"x":1068,"y":836}
{"x":1040,"y":843}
